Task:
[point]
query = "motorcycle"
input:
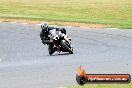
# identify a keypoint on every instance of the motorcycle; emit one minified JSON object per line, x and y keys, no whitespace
{"x":59,"y":42}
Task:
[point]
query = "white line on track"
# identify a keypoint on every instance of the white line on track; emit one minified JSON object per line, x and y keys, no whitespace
{"x":69,"y":26}
{"x":113,"y":28}
{"x":84,"y":27}
{"x":24,"y":23}
{"x":38,"y":24}
{"x":0,"y":59}
{"x":53,"y":25}
{"x":12,"y":22}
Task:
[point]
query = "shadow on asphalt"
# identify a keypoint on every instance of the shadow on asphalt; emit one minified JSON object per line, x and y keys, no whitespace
{"x":60,"y":54}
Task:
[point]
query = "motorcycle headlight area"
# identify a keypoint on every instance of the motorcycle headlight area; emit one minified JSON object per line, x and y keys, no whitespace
{"x":56,"y":37}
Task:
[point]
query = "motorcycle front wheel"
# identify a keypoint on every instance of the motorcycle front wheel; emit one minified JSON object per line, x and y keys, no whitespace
{"x":51,"y":49}
{"x":65,"y":46}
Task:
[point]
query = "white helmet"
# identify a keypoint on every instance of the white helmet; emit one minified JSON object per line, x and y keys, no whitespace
{"x":44,"y":25}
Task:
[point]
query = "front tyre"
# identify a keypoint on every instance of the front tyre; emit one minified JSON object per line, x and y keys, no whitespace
{"x":51,"y":49}
{"x":65,"y":46}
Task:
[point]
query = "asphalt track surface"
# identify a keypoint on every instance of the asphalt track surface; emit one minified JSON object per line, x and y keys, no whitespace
{"x":25,"y":62}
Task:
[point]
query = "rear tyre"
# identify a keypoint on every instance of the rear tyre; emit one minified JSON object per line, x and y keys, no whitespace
{"x":64,"y":45}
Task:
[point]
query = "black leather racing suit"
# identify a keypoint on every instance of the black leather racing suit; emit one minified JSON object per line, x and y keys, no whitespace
{"x":44,"y":34}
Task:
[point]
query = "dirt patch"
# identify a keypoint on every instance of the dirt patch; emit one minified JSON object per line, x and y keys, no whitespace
{"x":84,"y":25}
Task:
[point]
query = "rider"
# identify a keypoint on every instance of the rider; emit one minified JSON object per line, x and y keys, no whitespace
{"x":45,"y":32}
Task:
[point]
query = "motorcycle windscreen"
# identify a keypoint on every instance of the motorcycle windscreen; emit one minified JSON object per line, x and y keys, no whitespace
{"x":53,"y":33}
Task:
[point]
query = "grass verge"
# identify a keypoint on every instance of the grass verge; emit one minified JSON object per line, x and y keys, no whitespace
{"x":103,"y":86}
{"x":117,"y":13}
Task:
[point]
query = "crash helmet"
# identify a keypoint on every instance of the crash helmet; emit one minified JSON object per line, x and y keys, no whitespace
{"x":44,"y":26}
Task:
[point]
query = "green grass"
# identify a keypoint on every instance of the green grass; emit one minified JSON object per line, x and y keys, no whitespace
{"x":117,"y":13}
{"x":103,"y":86}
